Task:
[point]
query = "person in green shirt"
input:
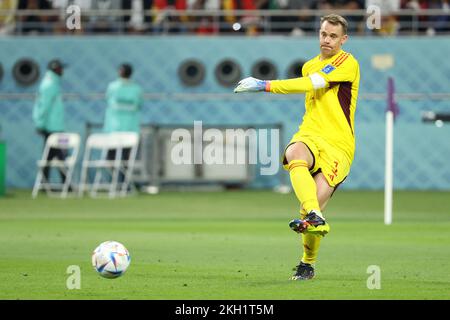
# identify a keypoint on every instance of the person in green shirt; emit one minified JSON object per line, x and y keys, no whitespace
{"x":124,"y":99}
{"x":48,"y":110}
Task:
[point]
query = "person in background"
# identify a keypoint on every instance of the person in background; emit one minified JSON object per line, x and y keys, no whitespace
{"x":48,"y":110}
{"x":124,"y":99}
{"x":8,"y":18}
{"x":31,"y":24}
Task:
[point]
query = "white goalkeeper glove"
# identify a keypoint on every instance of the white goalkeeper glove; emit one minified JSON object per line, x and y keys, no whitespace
{"x":250,"y":84}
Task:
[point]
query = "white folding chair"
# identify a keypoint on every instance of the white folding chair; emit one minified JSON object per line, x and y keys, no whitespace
{"x":95,"y":157}
{"x":69,"y":144}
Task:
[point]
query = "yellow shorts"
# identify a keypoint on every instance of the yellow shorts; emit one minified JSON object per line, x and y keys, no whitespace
{"x":329,"y":160}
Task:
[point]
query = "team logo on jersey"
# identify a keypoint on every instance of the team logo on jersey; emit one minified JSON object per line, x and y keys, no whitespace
{"x":328,"y":68}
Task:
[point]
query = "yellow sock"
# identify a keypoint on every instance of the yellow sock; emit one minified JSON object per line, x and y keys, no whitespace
{"x":311,"y":244}
{"x":304,"y":185}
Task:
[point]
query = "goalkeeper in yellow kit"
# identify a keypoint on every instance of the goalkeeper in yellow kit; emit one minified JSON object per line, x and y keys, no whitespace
{"x":320,"y":154}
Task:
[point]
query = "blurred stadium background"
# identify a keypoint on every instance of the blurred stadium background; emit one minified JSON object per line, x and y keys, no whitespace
{"x":188,"y":56}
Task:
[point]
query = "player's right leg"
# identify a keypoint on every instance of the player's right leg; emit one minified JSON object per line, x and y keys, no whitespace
{"x":312,"y":224}
{"x":299,"y":161}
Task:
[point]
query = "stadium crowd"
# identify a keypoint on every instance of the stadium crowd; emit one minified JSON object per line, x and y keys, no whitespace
{"x":170,"y":16}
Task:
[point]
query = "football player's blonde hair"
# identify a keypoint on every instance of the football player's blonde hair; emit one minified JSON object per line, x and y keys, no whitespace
{"x":335,"y":19}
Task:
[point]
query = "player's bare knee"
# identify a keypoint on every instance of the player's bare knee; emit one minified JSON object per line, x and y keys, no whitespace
{"x":298,"y":151}
{"x":292,"y":153}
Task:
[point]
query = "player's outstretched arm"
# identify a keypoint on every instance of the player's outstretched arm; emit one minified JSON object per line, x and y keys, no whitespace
{"x":297,"y":85}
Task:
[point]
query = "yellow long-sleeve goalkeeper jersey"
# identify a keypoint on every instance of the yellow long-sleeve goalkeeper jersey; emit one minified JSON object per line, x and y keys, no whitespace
{"x":331,"y":87}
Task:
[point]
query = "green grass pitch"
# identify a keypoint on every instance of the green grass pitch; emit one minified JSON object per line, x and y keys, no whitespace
{"x":225,"y":245}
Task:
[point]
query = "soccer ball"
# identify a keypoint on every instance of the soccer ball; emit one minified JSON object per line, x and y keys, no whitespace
{"x":111,"y":259}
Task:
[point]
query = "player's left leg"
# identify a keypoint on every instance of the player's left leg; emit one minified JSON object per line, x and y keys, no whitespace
{"x":311,"y":241}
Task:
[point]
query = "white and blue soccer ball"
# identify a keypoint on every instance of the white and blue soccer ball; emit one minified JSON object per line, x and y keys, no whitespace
{"x":111,"y":259}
